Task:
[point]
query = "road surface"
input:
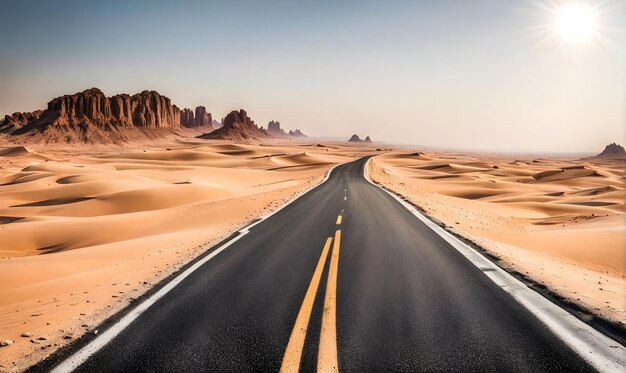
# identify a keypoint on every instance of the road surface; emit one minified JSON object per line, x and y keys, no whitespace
{"x":343,"y":278}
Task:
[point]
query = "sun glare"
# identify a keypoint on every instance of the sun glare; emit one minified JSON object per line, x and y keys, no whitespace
{"x":575,"y":22}
{"x":577,"y":25}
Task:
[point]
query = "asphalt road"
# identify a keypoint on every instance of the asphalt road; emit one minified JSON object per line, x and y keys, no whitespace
{"x":385,"y":293}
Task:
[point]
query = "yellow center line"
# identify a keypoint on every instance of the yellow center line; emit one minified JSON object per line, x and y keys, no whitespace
{"x":338,"y":219}
{"x":293,"y":353}
{"x":327,"y":360}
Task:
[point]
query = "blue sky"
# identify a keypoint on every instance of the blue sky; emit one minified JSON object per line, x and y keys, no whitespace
{"x":448,"y":74}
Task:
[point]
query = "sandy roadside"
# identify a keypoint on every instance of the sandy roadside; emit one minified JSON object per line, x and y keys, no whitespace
{"x":559,"y":222}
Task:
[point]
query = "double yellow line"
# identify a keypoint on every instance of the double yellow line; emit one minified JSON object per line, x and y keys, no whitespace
{"x":327,"y":360}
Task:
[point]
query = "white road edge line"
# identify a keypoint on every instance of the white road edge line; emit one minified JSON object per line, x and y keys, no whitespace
{"x":603,"y":353}
{"x":79,"y":357}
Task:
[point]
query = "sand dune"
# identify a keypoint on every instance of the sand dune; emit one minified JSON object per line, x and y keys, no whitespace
{"x":558,"y":221}
{"x":15,"y":151}
{"x":565,"y":173}
{"x":84,"y":230}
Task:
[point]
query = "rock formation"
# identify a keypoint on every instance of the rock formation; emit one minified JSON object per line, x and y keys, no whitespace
{"x":273,"y":128}
{"x":614,"y":151}
{"x":197,"y":118}
{"x":356,"y":138}
{"x":296,"y":133}
{"x":91,"y":117}
{"x":186,"y":118}
{"x":202,"y":118}
{"x":237,"y":126}
{"x":92,"y":108}
{"x":17,"y":120}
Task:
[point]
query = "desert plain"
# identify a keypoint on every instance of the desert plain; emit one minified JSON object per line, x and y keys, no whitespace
{"x":85,"y":230}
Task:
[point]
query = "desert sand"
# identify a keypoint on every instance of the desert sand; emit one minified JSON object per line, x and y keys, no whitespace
{"x":84,"y":231}
{"x":558,"y":221}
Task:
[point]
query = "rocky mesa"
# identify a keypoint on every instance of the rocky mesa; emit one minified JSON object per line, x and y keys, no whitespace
{"x":92,"y":117}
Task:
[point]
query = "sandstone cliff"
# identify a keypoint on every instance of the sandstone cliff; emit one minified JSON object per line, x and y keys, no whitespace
{"x":199,"y":117}
{"x":202,"y":118}
{"x":91,"y":117}
{"x":92,"y":107}
{"x":186,"y":118}
{"x":18,"y":120}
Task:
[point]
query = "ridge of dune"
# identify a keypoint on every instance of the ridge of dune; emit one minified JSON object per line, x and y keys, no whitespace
{"x":14,"y":151}
{"x":416,"y":155}
{"x":452,"y":168}
{"x":565,"y":173}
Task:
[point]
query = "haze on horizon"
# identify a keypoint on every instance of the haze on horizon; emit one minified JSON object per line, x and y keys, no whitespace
{"x":434,"y":73}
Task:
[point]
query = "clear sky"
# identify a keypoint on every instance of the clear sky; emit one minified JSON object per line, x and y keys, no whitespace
{"x":480,"y":74}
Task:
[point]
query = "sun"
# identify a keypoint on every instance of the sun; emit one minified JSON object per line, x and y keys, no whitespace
{"x":578,"y":26}
{"x":575,"y":22}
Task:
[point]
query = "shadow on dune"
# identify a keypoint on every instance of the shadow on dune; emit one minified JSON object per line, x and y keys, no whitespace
{"x":55,"y":202}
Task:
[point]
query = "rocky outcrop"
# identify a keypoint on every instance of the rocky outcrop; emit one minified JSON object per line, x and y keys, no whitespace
{"x":237,"y":126}
{"x":273,"y":128}
{"x":150,"y":109}
{"x":186,"y":118}
{"x":614,"y":151}
{"x":356,"y":138}
{"x":202,"y":118}
{"x":197,"y":118}
{"x":296,"y":133}
{"x":239,"y":117}
{"x":147,"y":109}
{"x":18,"y":120}
{"x":91,"y":117}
